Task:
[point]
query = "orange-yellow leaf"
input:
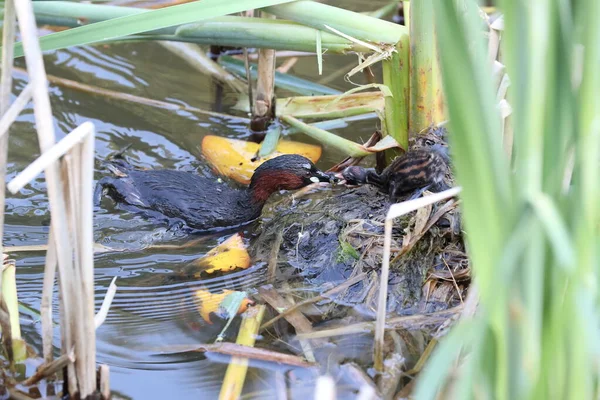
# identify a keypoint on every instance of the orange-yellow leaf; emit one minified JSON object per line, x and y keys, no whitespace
{"x":233,"y":158}
{"x":227,"y":256}
{"x":210,"y":302}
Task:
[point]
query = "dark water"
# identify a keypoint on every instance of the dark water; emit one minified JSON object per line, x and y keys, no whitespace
{"x":145,"y":318}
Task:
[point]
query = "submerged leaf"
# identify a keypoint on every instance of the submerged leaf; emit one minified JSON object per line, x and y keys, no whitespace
{"x":219,"y":303}
{"x":229,"y":255}
{"x":236,"y":159}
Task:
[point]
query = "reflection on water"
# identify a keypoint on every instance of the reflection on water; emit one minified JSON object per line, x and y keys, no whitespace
{"x":149,"y":313}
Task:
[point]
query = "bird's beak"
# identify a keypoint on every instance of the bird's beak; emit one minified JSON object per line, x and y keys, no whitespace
{"x":321,"y":176}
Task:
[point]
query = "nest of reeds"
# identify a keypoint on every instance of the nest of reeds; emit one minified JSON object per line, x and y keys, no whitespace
{"x":324,"y":242}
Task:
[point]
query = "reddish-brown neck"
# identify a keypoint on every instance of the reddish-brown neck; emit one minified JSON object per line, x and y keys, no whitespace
{"x":267,"y":183}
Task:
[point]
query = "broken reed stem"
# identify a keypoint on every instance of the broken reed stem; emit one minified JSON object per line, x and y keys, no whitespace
{"x":47,"y":138}
{"x":233,"y":383}
{"x":68,"y":187}
{"x":71,"y":207}
{"x":98,"y":91}
{"x":86,"y":231}
{"x":61,"y":148}
{"x":9,"y":295}
{"x":10,"y":115}
{"x":396,"y":210}
{"x":193,"y":55}
{"x":8,"y":40}
{"x":100,"y":317}
{"x":382,"y":301}
{"x":49,"y":369}
{"x":47,"y":294}
{"x":404,"y":322}
{"x":234,"y":349}
{"x":265,"y":87}
{"x":104,"y":373}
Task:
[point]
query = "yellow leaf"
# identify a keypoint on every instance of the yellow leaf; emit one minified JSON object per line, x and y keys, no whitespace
{"x":227,"y":256}
{"x":209,"y":302}
{"x":233,"y":158}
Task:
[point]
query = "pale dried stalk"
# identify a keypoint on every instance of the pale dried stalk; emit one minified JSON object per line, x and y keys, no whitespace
{"x":72,"y":191}
{"x":51,"y":368}
{"x":265,"y":84}
{"x":100,"y":317}
{"x":104,"y":381}
{"x":193,"y":55}
{"x":396,"y":210}
{"x":15,"y":109}
{"x":61,"y":148}
{"x":43,"y":116}
{"x":8,"y":40}
{"x":87,"y":249}
{"x":325,"y":388}
{"x":47,"y":292}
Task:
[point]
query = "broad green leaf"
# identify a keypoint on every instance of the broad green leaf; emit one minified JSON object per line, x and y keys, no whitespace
{"x":146,"y":21}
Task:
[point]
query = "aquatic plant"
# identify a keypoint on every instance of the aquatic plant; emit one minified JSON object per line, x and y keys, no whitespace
{"x":532,"y":220}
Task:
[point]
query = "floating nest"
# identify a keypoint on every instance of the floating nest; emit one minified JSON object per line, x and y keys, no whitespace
{"x":337,"y":236}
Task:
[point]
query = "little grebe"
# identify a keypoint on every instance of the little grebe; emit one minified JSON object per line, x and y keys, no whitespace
{"x":201,"y":203}
{"x":415,"y":169}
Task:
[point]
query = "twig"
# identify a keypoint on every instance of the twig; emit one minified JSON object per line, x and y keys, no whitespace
{"x":287,"y":64}
{"x":193,"y":55}
{"x":95,"y":90}
{"x":272,"y":265}
{"x":315,"y":299}
{"x":98,"y":248}
{"x":393,"y":323}
{"x":234,"y":349}
{"x":453,"y":280}
{"x":300,"y":323}
{"x":17,"y":395}
{"x":423,"y":359}
{"x":49,"y":369}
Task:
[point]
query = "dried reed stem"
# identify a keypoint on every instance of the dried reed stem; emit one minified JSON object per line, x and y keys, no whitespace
{"x":325,"y":388}
{"x":49,"y":369}
{"x":8,"y":40}
{"x":396,"y":210}
{"x":77,"y":136}
{"x":86,"y":229}
{"x":10,"y":115}
{"x":108,"y":298}
{"x":47,"y":292}
{"x":74,"y":305}
{"x":104,"y":381}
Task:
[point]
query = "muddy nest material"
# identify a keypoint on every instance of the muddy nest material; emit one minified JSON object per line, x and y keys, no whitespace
{"x":331,"y":239}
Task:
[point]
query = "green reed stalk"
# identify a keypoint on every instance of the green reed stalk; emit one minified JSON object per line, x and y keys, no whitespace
{"x":426,"y":100}
{"x":396,"y":78}
{"x":532,"y":227}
